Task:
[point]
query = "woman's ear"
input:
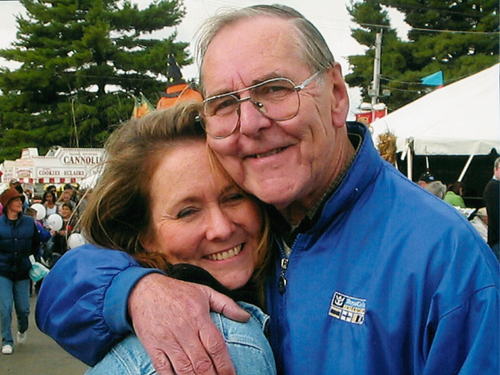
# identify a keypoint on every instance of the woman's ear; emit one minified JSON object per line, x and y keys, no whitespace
{"x":340,"y":97}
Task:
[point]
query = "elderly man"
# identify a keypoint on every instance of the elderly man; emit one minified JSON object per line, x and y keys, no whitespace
{"x":373,"y":275}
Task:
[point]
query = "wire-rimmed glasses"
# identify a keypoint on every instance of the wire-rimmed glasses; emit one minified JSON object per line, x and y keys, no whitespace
{"x":277,"y":98}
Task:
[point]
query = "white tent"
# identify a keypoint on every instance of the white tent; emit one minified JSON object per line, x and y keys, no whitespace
{"x":462,"y":118}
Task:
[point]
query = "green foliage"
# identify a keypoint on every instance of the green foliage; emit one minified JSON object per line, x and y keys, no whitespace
{"x":457,"y":37}
{"x":82,"y":62}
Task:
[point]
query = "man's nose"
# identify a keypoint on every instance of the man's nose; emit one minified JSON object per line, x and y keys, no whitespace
{"x":252,"y":118}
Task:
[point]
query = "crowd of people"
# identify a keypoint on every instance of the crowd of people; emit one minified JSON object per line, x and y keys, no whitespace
{"x":24,"y":234}
{"x":485,"y":219}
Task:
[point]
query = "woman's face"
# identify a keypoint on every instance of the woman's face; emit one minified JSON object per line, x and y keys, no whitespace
{"x":15,"y":205}
{"x":49,"y":197}
{"x":203,"y":219}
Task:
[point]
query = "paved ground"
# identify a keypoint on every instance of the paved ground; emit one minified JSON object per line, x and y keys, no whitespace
{"x":40,"y":355}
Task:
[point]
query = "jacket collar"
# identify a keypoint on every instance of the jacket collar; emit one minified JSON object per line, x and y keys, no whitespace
{"x":363,"y":172}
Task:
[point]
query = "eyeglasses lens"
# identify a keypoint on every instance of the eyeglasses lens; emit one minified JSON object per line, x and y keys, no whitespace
{"x":277,"y":99}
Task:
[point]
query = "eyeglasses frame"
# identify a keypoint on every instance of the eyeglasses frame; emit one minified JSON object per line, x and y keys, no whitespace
{"x":297,"y":89}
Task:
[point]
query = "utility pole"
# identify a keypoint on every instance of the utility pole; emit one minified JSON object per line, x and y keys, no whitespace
{"x":376,"y":69}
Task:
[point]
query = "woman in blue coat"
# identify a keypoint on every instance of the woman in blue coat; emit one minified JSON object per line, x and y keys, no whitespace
{"x":19,"y":239}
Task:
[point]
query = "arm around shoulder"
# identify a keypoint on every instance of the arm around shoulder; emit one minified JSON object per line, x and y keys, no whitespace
{"x":86,"y":293}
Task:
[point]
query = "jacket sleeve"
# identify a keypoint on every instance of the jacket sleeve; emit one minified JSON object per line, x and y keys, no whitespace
{"x":43,"y":232}
{"x":466,"y":339}
{"x":462,"y":335}
{"x":82,"y":304}
{"x":35,"y":243}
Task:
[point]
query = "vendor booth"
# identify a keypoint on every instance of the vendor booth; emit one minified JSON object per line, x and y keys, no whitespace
{"x":59,"y":166}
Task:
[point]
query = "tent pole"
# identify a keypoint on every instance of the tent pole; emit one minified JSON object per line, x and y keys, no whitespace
{"x":465,"y":168}
{"x":409,"y":163}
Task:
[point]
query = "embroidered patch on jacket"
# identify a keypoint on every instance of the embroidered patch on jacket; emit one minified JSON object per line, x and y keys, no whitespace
{"x":347,"y":308}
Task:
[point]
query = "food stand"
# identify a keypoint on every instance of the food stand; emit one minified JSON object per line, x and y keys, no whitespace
{"x":59,"y":166}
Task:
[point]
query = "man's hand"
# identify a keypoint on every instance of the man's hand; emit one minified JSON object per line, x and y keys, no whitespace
{"x":172,"y":320}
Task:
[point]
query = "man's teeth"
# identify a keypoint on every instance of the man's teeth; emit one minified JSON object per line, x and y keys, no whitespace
{"x":225,"y":254}
{"x":272,"y":152}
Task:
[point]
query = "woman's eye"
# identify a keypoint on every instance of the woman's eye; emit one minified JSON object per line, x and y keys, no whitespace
{"x":234,"y":198}
{"x":187,"y":213}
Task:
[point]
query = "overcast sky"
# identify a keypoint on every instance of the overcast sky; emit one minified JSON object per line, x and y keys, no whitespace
{"x":329,"y":16}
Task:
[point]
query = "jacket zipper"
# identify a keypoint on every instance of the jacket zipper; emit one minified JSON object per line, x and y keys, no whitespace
{"x":284,"y":262}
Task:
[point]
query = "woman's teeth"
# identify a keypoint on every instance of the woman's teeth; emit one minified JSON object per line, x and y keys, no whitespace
{"x":225,"y":254}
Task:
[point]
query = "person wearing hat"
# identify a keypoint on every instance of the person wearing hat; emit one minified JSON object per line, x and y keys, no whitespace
{"x":425,"y":178}
{"x":19,"y":239}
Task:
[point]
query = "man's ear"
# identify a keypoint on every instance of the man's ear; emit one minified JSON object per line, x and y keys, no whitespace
{"x":340,"y":97}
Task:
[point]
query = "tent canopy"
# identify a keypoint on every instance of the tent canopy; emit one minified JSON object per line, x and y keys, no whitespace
{"x":462,"y":118}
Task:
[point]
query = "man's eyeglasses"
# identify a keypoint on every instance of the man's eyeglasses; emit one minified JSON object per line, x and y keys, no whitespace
{"x":277,"y":99}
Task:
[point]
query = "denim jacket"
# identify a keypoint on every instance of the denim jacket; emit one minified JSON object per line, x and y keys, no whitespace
{"x":248,"y":347}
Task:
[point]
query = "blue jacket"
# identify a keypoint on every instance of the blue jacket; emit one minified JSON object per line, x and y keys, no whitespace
{"x":42,"y":232}
{"x":246,"y":342}
{"x":391,"y":280}
{"x":17,"y":243}
{"x":86,"y":293}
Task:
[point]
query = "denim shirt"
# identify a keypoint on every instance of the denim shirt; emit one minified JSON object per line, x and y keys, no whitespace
{"x":247,"y":345}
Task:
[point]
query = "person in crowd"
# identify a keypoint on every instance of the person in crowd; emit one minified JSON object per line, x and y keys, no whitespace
{"x":29,"y":196}
{"x":180,"y":214}
{"x":74,"y":192}
{"x":491,"y":198}
{"x":44,"y":235}
{"x":437,"y":188}
{"x":53,"y":189}
{"x":424,"y":179}
{"x":60,"y":236}
{"x":454,"y":195}
{"x":19,"y":239}
{"x":365,"y":280}
{"x":49,"y":202}
{"x":480,"y":222}
{"x":65,"y":197}
{"x":17,"y":185}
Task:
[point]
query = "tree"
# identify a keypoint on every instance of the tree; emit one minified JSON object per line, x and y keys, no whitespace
{"x":83,"y":61}
{"x":457,"y":37}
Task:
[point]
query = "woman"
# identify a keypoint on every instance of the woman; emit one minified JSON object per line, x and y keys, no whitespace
{"x":163,"y":199}
{"x":49,"y":202}
{"x":65,"y":198}
{"x":19,"y":239}
{"x":454,"y":194}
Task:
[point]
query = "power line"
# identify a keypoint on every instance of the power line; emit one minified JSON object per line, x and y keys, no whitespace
{"x":436,"y":30}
